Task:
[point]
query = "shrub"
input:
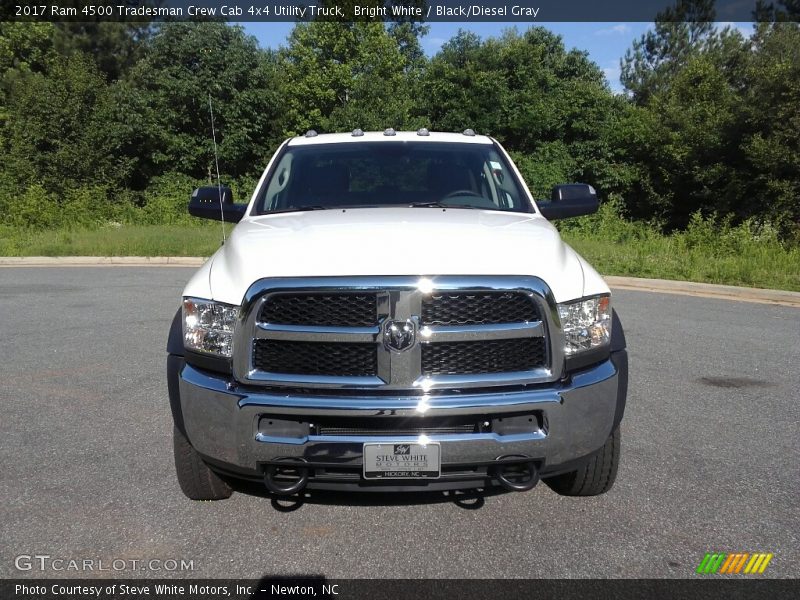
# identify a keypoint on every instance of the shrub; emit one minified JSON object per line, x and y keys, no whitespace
{"x":166,"y":201}
{"x":33,"y":208}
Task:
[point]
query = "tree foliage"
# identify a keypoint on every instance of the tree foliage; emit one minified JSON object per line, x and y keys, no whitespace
{"x":718,"y":115}
{"x":98,"y":119}
{"x":169,"y":91}
{"x":341,"y":76}
{"x":655,"y":58}
{"x":58,"y":133}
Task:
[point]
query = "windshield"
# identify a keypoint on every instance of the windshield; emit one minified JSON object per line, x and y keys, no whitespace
{"x":377,"y":174}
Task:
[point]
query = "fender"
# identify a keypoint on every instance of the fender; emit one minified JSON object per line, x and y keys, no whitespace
{"x":619,"y":356}
{"x":175,"y":362}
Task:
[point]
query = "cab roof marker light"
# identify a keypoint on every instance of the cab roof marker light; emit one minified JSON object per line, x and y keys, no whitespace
{"x":469,"y":132}
{"x":389,"y":131}
{"x":311,"y":133}
{"x":357,"y":133}
{"x":423,"y":131}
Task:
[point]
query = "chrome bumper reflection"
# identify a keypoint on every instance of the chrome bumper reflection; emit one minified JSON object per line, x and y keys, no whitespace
{"x":222,"y":421}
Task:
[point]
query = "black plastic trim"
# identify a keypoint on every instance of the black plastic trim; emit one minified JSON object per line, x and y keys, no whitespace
{"x":175,"y":339}
{"x":620,"y":360}
{"x":617,"y":333}
{"x":208,"y":363}
{"x":587,"y":359}
{"x":174,"y":367}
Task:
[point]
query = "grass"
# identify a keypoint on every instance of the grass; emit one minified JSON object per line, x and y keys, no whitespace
{"x":664,"y":259}
{"x":708,"y":251}
{"x":123,"y":240}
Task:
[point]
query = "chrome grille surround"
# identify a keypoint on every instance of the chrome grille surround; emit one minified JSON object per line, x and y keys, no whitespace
{"x":398,"y":298}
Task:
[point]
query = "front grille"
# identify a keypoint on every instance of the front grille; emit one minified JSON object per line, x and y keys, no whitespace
{"x":495,"y":356}
{"x":339,"y":310}
{"x":329,"y":333}
{"x":315,"y":358}
{"x":478,"y":308}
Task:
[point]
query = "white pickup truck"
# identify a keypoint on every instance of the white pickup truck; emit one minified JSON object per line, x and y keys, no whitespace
{"x":394,"y":312}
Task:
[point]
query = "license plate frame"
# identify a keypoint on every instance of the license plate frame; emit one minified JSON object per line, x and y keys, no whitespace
{"x":386,"y":460}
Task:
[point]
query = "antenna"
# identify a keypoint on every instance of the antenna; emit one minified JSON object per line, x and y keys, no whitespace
{"x":216,"y":163}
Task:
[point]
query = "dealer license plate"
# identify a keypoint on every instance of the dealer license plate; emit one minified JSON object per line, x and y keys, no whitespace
{"x":402,"y":461}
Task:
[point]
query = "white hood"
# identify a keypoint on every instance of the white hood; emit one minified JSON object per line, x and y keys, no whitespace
{"x":391,"y":241}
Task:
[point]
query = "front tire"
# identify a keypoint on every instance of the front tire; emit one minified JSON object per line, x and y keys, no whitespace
{"x":197,"y":480}
{"x":595,"y":477}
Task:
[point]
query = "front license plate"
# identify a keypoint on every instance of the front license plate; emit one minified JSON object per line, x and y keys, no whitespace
{"x":402,"y":461}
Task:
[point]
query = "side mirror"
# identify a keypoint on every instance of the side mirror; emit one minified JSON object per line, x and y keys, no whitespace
{"x":204,"y":203}
{"x":570,"y":200}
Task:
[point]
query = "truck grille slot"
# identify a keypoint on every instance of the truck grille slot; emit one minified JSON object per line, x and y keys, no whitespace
{"x":478,"y":308}
{"x":335,"y":310}
{"x":315,"y":358}
{"x":494,"y":356}
{"x":396,"y":430}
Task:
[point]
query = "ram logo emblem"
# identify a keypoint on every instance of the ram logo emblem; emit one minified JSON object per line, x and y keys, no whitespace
{"x":399,"y":336}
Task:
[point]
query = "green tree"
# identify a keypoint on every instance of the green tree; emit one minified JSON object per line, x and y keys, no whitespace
{"x":345,"y":75}
{"x":786,"y":10}
{"x":691,"y":145}
{"x":656,"y":57}
{"x":57,"y":132}
{"x":461,"y":89}
{"x":171,"y":84}
{"x":771,"y":106}
{"x":114,"y":46}
{"x":25,"y":48}
{"x":717,"y":121}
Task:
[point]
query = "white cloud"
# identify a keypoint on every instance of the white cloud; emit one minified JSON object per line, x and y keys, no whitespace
{"x":620,"y":29}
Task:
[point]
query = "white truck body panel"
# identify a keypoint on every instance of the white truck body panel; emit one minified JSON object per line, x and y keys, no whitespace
{"x":393,"y":241}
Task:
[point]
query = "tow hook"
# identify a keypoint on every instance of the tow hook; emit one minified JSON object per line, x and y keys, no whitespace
{"x":517,"y":477}
{"x":286,"y":481}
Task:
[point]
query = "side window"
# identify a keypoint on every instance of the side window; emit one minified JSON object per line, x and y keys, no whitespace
{"x":278,"y":183}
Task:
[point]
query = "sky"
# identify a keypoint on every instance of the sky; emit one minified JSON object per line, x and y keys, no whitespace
{"x":606,"y":43}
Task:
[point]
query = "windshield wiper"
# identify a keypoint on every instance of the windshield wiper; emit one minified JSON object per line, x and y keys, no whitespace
{"x":438,"y":204}
{"x":299,"y":209}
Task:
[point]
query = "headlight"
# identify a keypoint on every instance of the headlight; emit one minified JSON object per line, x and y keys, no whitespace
{"x":208,"y":326}
{"x":586,"y":324}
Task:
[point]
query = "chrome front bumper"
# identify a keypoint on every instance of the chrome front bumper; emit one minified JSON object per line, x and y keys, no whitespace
{"x":221,"y":420}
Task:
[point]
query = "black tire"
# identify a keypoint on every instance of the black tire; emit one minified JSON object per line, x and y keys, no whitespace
{"x":197,"y":480}
{"x":595,"y":477}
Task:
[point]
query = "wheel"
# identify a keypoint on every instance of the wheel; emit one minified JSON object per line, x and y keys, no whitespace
{"x":197,"y":480}
{"x":595,"y":477}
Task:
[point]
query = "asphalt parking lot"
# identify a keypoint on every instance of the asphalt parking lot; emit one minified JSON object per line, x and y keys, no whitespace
{"x":710,"y":455}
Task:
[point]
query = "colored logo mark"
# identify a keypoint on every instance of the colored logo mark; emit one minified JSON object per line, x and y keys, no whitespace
{"x":727,"y":563}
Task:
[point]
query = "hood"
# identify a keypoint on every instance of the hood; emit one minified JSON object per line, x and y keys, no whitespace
{"x":392,"y":241}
